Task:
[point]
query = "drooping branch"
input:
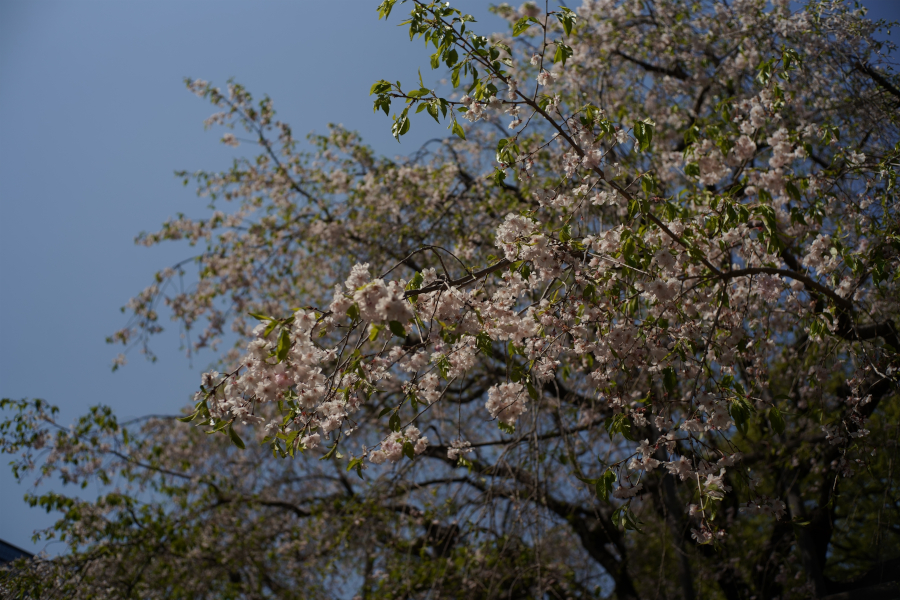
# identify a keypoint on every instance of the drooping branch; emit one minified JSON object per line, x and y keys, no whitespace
{"x":443,"y":285}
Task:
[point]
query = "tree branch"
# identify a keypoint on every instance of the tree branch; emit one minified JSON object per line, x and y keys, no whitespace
{"x":442,"y":285}
{"x":878,"y":78}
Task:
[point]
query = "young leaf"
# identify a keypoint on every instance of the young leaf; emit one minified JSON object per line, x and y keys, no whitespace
{"x":394,"y":422}
{"x":397,"y":329}
{"x":400,"y":127}
{"x":190,"y":417}
{"x":353,"y":312}
{"x":408,"y":450}
{"x":776,"y":419}
{"x":416,"y":282}
{"x":484,"y":343}
{"x":384,"y":9}
{"x":458,"y":130}
{"x":567,"y":18}
{"x":284,"y":345}
{"x":563,"y":53}
{"x":604,"y":485}
{"x":522,"y":25}
{"x":670,"y":380}
{"x":380,"y":87}
{"x":235,"y":438}
{"x":740,"y":412}
{"x":643,"y":132}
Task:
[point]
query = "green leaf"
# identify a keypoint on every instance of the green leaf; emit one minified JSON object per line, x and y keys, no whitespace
{"x":400,"y":127}
{"x":522,"y":25}
{"x":284,"y":345}
{"x":567,"y":19}
{"x":670,"y":380}
{"x":219,"y":426}
{"x":394,"y":422}
{"x":380,"y":87}
{"x":408,"y":450}
{"x":605,"y":128}
{"x":384,"y":103}
{"x":589,"y":292}
{"x":628,"y":249}
{"x":458,"y":130}
{"x":432,"y":108}
{"x":740,"y":411}
{"x":235,"y":438}
{"x":288,"y":437}
{"x":356,"y":463}
{"x":765,"y":72}
{"x":776,"y":419}
{"x":604,"y":485}
{"x":188,"y":418}
{"x":330,"y":452}
{"x":563,"y":53}
{"x":353,"y":312}
{"x":643,"y":132}
{"x":623,"y":517}
{"x":619,"y":424}
{"x":374,"y":330}
{"x":586,"y":479}
{"x":792,"y":191}
{"x":416,"y":282}
{"x":484,"y":343}
{"x":443,"y":366}
{"x":384,"y":9}
{"x":634,"y":208}
{"x":397,"y":329}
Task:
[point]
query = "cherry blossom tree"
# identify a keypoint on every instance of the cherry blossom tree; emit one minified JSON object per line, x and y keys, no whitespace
{"x":630,"y":331}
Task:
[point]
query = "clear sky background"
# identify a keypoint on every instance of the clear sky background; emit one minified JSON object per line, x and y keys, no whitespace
{"x":94,"y":119}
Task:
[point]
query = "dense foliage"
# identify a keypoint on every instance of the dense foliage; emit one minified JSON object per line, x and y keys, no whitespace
{"x":637,"y":339}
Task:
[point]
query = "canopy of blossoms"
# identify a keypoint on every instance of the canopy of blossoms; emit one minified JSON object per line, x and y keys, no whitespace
{"x":650,"y":283}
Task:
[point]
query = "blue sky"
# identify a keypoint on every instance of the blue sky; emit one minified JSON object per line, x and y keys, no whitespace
{"x":94,"y":119}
